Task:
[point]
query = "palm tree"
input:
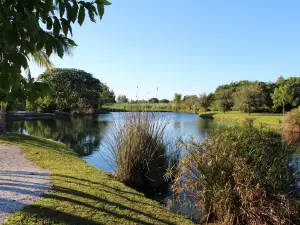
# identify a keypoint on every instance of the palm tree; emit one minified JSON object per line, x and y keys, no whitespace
{"x":177,"y":99}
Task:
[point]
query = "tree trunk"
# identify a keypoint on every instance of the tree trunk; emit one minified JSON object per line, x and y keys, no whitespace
{"x":283,"y":109}
{"x":2,"y":119}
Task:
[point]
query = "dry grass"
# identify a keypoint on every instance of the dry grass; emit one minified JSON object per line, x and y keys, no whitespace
{"x":291,"y":121}
{"x":140,"y":151}
{"x":241,"y":176}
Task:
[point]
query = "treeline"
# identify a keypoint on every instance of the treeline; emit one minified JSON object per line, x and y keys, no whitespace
{"x":245,"y":96}
{"x":73,"y":91}
{"x":250,"y":96}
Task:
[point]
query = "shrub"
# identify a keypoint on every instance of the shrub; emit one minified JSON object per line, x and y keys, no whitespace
{"x":291,"y":121}
{"x":139,"y":151}
{"x":164,"y":101}
{"x":240,"y":175}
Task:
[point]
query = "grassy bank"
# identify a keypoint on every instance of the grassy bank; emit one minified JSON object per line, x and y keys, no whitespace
{"x":153,"y":107}
{"x":273,"y":120}
{"x":82,"y":194}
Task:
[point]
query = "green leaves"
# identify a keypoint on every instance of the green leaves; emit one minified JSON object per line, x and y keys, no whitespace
{"x":81,"y":15}
{"x":21,"y":30}
{"x":100,"y":6}
{"x":66,"y":26}
{"x":61,"y":8}
{"x":49,"y":23}
{"x":100,"y":10}
{"x":56,"y":26}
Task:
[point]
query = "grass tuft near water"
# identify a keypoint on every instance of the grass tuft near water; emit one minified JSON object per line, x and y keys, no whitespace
{"x":82,"y":194}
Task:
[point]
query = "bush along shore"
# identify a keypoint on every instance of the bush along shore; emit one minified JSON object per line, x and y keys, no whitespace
{"x":240,"y":176}
{"x":82,"y":194}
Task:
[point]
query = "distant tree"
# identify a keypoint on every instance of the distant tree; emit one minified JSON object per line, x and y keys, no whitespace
{"x":224,"y":100}
{"x":153,"y":100}
{"x":282,"y":96}
{"x":107,"y":95}
{"x":122,"y":99}
{"x":177,"y":98}
{"x":190,"y":100}
{"x":250,"y":98}
{"x":204,"y":101}
{"x":74,"y":90}
{"x":287,"y":92}
{"x":164,"y":101}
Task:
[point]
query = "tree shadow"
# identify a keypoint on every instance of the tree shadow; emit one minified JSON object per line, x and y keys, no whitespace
{"x":207,"y":115}
{"x":44,"y":215}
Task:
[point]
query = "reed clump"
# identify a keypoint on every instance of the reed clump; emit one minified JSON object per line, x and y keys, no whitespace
{"x":140,"y":151}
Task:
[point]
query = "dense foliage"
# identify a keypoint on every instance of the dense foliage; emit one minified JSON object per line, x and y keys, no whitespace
{"x":122,"y":99}
{"x":15,"y":90}
{"x":240,"y":175}
{"x":153,"y":100}
{"x":250,"y":98}
{"x":74,"y":91}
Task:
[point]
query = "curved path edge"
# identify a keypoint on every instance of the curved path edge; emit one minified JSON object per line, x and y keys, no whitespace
{"x":21,"y":182}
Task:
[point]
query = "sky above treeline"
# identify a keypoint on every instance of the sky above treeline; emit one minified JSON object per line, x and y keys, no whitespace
{"x":189,"y":47}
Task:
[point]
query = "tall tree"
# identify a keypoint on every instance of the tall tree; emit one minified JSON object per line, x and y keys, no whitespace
{"x":250,"y":98}
{"x":204,"y":101}
{"x":74,"y":90}
{"x":177,"y":98}
{"x":122,"y":99}
{"x":287,"y":92}
{"x":282,"y":96}
{"x":224,"y":100}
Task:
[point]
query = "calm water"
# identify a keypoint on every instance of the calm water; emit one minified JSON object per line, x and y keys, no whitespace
{"x":87,"y":135}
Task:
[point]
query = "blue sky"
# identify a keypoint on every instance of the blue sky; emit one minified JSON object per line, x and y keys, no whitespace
{"x":189,"y":46}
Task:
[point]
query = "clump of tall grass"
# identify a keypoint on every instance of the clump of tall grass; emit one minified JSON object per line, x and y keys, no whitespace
{"x":291,"y":121}
{"x":140,"y":151}
{"x":240,"y":175}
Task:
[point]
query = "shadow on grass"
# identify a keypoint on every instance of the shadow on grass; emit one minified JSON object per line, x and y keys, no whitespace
{"x":44,"y":215}
{"x":38,"y":143}
{"x":80,"y":194}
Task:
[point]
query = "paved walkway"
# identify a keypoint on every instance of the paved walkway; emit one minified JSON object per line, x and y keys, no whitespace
{"x":21,"y":182}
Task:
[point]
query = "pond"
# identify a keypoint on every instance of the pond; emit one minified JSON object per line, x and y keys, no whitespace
{"x":87,"y":136}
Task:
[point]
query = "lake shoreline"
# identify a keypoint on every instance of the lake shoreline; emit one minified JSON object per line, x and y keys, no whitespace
{"x":15,"y":116}
{"x":97,"y":197}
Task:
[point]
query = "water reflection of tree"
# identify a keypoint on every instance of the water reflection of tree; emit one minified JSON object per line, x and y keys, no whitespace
{"x":83,"y":135}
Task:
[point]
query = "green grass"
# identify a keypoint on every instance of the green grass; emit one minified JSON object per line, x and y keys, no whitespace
{"x":82,"y":194}
{"x":153,"y":107}
{"x":273,"y":120}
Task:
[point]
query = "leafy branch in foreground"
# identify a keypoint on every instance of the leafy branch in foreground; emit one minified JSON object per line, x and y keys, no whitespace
{"x":28,"y":27}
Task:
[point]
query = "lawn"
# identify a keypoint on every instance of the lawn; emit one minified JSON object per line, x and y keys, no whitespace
{"x":82,"y":194}
{"x":273,"y":120}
